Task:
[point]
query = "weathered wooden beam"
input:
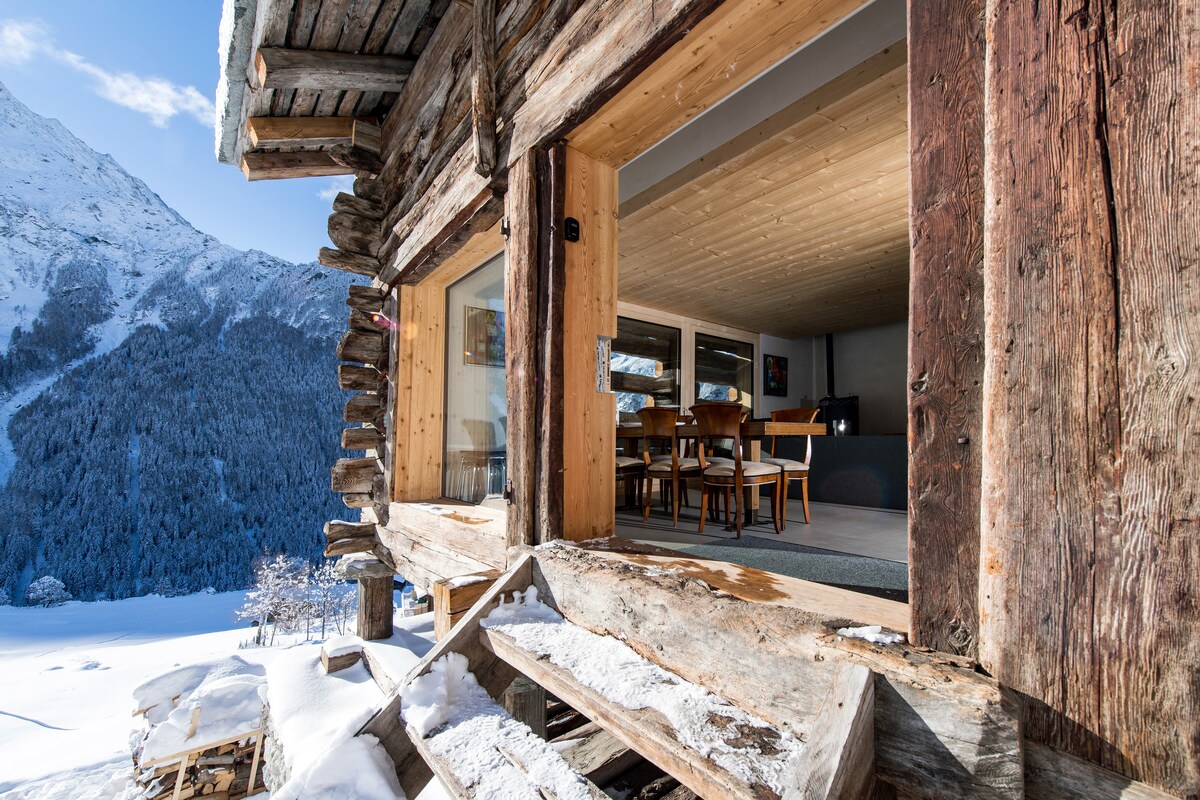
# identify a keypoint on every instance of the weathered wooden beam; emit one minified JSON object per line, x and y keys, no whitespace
{"x":1051,"y":775}
{"x":945,"y":359}
{"x":354,"y":234}
{"x":356,"y":158}
{"x":305,"y":131}
{"x":364,"y":408}
{"x":453,"y":597}
{"x":346,"y":547}
{"x":353,"y":475}
{"x":300,"y":164}
{"x":358,"y":206}
{"x":367,"y":136}
{"x":366,"y":298}
{"x":551,"y":302}
{"x":356,"y":263}
{"x":362,"y":321}
{"x":483,"y":85}
{"x":475,"y":218}
{"x":357,"y":499}
{"x":838,"y":760}
{"x":370,"y":189}
{"x":365,"y":348}
{"x":357,"y":378}
{"x":375,"y":608}
{"x":283,"y":68}
{"x":341,"y":529}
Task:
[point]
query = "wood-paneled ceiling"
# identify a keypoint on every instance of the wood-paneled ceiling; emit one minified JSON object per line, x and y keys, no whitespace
{"x":803,"y":233}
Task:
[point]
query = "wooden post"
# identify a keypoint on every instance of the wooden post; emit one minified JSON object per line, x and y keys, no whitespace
{"x":526,"y":702}
{"x":483,"y":85}
{"x":551,"y":297}
{"x":589,"y":312}
{"x":375,"y":608}
{"x":1090,"y":511}
{"x":453,"y":598}
{"x":945,"y":362}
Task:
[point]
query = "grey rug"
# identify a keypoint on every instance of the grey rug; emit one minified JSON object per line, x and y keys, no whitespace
{"x":874,"y":576}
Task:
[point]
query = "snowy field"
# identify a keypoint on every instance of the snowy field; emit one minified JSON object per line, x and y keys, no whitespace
{"x":66,"y":681}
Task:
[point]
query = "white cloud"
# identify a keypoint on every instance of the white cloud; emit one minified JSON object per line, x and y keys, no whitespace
{"x":343,"y":183}
{"x":157,"y":98}
{"x":20,"y":41}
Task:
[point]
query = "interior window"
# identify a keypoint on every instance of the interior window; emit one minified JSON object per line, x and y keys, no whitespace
{"x":476,"y":405}
{"x":645,"y":366}
{"x":724,"y":370}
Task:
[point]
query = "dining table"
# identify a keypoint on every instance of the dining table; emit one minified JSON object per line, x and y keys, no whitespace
{"x":629,"y":437}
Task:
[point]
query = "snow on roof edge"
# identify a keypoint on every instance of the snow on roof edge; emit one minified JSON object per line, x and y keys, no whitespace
{"x":235,"y":40}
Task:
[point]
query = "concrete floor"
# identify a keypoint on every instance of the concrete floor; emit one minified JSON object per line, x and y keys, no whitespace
{"x":876,"y":533}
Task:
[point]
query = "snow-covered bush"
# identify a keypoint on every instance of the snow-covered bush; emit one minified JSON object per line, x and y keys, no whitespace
{"x":287,"y":595}
{"x":333,"y":601}
{"x":47,"y":591}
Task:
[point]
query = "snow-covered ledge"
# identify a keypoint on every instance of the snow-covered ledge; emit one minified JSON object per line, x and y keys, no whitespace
{"x":236,"y":41}
{"x":440,"y":539}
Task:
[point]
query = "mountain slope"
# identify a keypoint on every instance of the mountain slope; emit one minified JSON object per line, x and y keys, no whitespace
{"x":167,"y":401}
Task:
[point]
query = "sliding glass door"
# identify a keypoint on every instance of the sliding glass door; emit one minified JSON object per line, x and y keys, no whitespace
{"x":645,"y":366}
{"x":724,"y":370}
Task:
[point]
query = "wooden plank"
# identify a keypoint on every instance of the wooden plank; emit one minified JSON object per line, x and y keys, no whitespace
{"x":596,"y":753}
{"x":299,"y":164}
{"x":942,"y":730}
{"x":945,"y":359}
{"x":475,"y":218}
{"x":305,"y":131}
{"x":838,"y":760}
{"x":520,"y":350}
{"x":474,"y":533}
{"x":356,"y":263}
{"x":375,"y":608}
{"x":1089,"y":515}
{"x":283,"y":68}
{"x":646,"y":730}
{"x":722,"y":51}
{"x":483,"y":85}
{"x":589,"y":311}
{"x":493,"y":675}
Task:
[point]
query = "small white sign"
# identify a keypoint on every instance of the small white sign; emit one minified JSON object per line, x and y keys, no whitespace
{"x":603,"y":364}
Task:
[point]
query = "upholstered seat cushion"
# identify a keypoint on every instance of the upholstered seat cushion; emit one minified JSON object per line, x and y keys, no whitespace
{"x":684,"y":464}
{"x":751,"y":469}
{"x":787,"y":464}
{"x":624,"y":462}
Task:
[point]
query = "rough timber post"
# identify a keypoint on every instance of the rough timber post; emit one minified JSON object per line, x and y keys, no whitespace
{"x":375,"y":608}
{"x":1091,"y":496}
{"x":945,"y":365}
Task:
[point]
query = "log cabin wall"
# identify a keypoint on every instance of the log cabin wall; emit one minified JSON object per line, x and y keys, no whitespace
{"x":1056,"y":165}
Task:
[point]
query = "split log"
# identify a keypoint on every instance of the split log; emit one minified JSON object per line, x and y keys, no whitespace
{"x":366,"y":408}
{"x":366,"y":298}
{"x":365,"y":348}
{"x":340,"y":529}
{"x":370,"y":189}
{"x":345,"y":547}
{"x":353,"y":474}
{"x":362,"y":439}
{"x":354,"y":234}
{"x":283,"y":68}
{"x":300,"y":164}
{"x":359,"y":206}
{"x":360,"y":378}
{"x":356,"y":158}
{"x":362,"y":321}
{"x":357,"y":499}
{"x":357,"y":263}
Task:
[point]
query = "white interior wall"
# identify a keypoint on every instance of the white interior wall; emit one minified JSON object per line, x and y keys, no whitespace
{"x":799,"y":353}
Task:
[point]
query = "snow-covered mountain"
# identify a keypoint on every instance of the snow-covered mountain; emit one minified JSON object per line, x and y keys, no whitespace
{"x":118,"y":316}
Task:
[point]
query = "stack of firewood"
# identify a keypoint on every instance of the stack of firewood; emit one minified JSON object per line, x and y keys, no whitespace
{"x":222,"y":772}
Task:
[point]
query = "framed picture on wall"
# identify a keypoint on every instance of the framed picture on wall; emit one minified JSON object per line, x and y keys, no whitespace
{"x":775,"y":376}
{"x":484,"y":337}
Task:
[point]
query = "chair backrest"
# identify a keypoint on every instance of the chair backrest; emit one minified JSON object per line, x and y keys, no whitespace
{"x":658,"y":426}
{"x":796,"y":415}
{"x":719,"y":421}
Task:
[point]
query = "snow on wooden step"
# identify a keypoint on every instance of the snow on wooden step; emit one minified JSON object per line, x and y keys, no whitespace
{"x":474,"y":746}
{"x":707,"y":744}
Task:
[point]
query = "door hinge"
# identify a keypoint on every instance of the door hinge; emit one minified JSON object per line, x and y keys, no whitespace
{"x":508,"y":492}
{"x":505,"y":230}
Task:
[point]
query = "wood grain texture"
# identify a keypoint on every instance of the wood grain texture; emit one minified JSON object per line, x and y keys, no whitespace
{"x":298,"y":164}
{"x":945,"y":356}
{"x":305,"y":131}
{"x":1091,"y":508}
{"x":551,"y":301}
{"x":283,"y":68}
{"x":520,"y":351}
{"x":838,"y":760}
{"x":589,"y":311}
{"x":375,"y":608}
{"x":483,"y":85}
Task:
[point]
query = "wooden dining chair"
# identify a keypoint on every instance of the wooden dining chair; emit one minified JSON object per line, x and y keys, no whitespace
{"x":724,"y":421}
{"x":631,"y":469}
{"x":659,"y":433}
{"x":793,"y":470}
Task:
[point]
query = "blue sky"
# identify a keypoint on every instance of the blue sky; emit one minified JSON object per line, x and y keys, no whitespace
{"x":136,"y":79}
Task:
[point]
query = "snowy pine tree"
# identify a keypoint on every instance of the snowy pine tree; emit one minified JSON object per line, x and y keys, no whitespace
{"x":47,"y":591}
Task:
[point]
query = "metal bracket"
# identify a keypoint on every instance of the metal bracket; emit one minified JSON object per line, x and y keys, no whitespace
{"x":507,"y":494}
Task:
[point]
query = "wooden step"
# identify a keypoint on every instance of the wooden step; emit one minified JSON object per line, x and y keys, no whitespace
{"x":708,"y":745}
{"x":480,"y":750}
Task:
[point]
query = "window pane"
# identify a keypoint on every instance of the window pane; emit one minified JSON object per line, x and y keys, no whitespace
{"x":645,"y":366}
{"x":476,"y":406}
{"x":724,"y":370}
